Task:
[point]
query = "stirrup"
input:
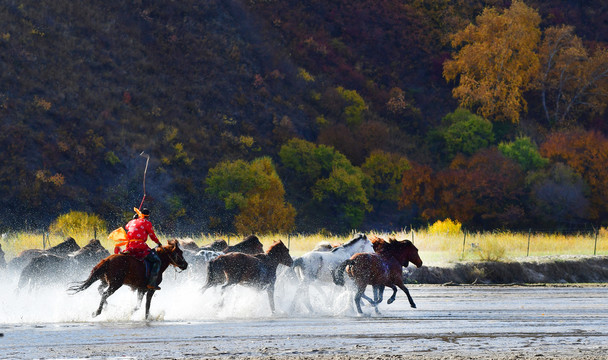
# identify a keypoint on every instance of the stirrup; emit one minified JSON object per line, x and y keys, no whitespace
{"x":152,"y":287}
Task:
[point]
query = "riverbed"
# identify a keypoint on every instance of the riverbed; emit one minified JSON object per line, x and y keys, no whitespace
{"x":483,"y":322}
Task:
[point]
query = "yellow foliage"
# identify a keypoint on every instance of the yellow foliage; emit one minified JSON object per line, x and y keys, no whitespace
{"x":305,"y":75}
{"x":42,"y":103}
{"x":77,"y":222}
{"x":446,"y":226}
{"x":496,"y":61}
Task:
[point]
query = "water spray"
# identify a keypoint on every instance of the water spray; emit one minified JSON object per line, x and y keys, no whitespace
{"x":143,"y":153}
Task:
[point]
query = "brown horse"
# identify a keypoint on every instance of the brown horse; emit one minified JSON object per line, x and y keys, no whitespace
{"x":118,"y":270}
{"x":259,"y":270}
{"x":379,"y":269}
{"x":251,"y":245}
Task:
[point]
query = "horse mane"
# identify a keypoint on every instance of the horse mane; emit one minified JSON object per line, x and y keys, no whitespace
{"x":392,"y":245}
{"x":217,"y":245}
{"x":277,"y":246}
{"x":251,"y":245}
{"x":351,"y":242}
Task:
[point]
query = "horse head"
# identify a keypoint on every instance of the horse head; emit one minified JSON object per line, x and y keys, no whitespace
{"x":404,"y":251}
{"x":174,"y":254}
{"x":280,"y":253}
{"x":377,"y":243}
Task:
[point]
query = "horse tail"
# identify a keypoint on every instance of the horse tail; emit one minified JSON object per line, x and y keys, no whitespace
{"x":298,"y":267}
{"x":338,"y":273}
{"x":98,"y":271}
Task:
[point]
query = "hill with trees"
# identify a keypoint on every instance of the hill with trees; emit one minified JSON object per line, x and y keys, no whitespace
{"x":303,"y":116}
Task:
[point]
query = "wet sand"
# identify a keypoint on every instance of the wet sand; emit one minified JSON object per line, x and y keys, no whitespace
{"x":463,"y":322}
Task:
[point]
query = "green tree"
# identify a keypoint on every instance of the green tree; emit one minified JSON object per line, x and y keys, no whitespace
{"x":344,"y":190}
{"x":385,"y":171}
{"x":337,"y":191}
{"x":255,"y":192}
{"x":495,"y":61}
{"x":524,"y":152}
{"x":466,"y":133}
{"x":353,"y":111}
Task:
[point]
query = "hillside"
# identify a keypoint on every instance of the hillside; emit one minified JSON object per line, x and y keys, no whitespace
{"x":85,"y":88}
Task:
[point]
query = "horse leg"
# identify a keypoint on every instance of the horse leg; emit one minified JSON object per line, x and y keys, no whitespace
{"x":149,"y":295}
{"x":106,"y":294}
{"x":378,"y":293}
{"x":303,"y":294}
{"x":102,"y":287}
{"x":406,"y":291}
{"x":270,"y":292}
{"x":140,"y":297}
{"x":392,"y":298}
{"x":358,"y":295}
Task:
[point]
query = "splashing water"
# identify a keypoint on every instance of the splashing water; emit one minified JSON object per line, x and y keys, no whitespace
{"x":180,"y":299}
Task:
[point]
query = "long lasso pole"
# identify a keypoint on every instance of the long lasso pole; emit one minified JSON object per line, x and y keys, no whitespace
{"x":145,"y":172}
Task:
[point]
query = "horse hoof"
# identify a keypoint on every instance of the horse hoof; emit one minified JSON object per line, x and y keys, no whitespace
{"x":390,"y":301}
{"x":413,"y":306}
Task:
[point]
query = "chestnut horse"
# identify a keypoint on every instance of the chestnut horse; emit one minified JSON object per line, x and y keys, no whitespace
{"x":379,"y":269}
{"x":119,"y":269}
{"x":259,"y":270}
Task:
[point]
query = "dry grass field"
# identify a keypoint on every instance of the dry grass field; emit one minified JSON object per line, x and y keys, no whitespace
{"x":435,"y":247}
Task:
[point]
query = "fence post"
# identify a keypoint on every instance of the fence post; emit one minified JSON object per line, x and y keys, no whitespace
{"x":95,"y":232}
{"x":463,"y":242}
{"x":288,"y":241}
{"x":529,"y":233}
{"x":597,"y":231}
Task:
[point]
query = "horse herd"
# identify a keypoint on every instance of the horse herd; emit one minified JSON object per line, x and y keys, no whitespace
{"x":366,"y":261}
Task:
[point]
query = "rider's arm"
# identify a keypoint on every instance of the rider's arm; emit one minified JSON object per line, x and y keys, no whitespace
{"x":152,"y":234}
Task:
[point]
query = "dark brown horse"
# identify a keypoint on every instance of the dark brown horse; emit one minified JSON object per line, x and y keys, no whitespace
{"x":379,"y":269}
{"x":251,"y":245}
{"x":118,"y":270}
{"x":259,"y":270}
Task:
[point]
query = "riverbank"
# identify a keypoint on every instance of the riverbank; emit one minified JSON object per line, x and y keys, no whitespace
{"x":552,"y":270}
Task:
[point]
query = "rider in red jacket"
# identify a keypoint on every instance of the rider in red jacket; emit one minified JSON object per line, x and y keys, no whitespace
{"x":138,"y":230}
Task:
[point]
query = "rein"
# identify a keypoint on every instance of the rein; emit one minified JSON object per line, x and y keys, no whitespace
{"x":172,"y":262}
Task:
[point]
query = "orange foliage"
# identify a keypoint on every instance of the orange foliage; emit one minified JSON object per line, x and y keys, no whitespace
{"x":483,"y":190}
{"x":587,"y":153}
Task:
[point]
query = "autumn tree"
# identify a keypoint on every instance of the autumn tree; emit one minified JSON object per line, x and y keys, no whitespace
{"x":570,"y":79}
{"x":419,"y":190}
{"x":558,"y":195}
{"x":484,"y":191}
{"x":495,"y":61}
{"x":587,"y":153}
{"x":255,"y":192}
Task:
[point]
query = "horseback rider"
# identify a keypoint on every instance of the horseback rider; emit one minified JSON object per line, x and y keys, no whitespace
{"x":138,"y":230}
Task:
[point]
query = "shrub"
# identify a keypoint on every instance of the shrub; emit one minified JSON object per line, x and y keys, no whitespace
{"x":77,"y":222}
{"x":446,"y":226}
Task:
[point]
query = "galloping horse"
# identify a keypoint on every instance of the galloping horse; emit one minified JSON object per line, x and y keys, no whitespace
{"x":319,"y":265}
{"x":379,"y":270}
{"x":118,"y":270}
{"x":259,"y":270}
{"x":251,"y":245}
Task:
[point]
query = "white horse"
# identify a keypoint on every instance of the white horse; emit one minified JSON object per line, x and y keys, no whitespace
{"x":319,"y":265}
{"x":199,"y":262}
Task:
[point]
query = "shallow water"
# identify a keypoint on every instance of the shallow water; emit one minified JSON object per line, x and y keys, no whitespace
{"x":49,"y":323}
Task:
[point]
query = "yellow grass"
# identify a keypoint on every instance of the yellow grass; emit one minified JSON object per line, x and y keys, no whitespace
{"x":434,"y":248}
